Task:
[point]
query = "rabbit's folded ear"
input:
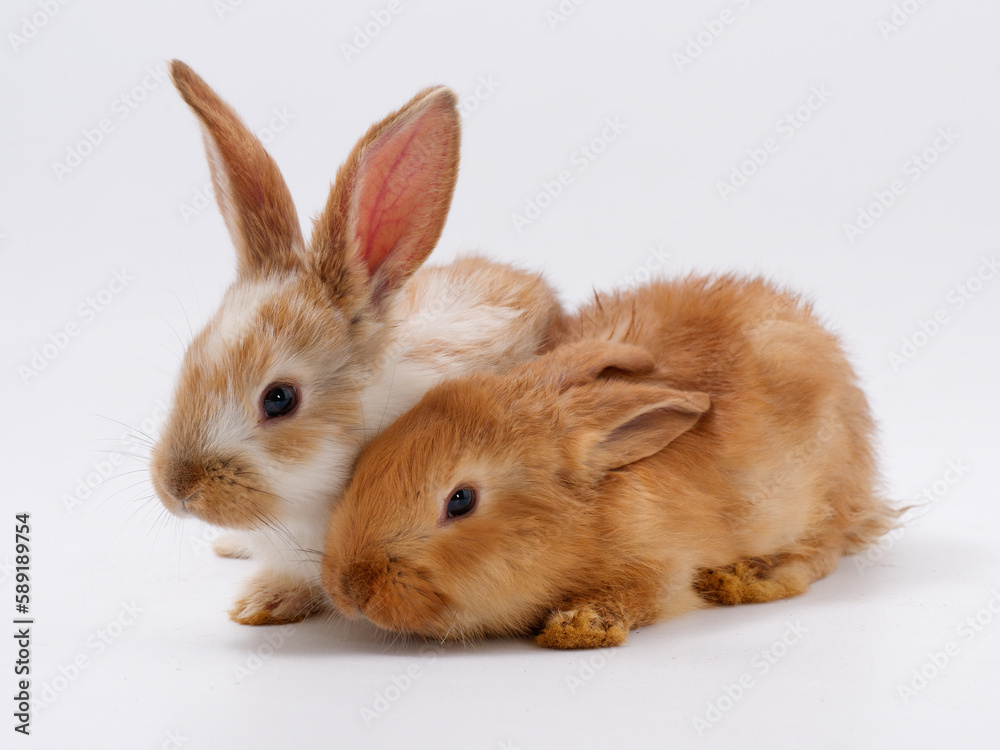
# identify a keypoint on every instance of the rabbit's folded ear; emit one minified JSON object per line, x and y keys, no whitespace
{"x":251,"y":192}
{"x":616,"y":422}
{"x":388,"y":205}
{"x":585,"y":361}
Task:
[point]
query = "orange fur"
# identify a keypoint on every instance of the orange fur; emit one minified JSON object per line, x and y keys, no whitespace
{"x":696,"y":441}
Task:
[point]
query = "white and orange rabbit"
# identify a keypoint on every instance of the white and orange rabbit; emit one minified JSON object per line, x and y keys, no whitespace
{"x":696,"y":441}
{"x":317,"y":346}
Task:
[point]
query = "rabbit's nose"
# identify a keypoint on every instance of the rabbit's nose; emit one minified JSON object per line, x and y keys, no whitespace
{"x":175,"y":481}
{"x":183,"y":480}
{"x":361,"y":579}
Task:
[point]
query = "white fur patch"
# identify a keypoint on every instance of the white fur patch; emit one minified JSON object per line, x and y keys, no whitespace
{"x":239,"y":309}
{"x":400,"y":384}
{"x":294,"y":545}
{"x":453,"y":318}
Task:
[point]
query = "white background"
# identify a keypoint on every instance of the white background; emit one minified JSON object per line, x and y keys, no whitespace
{"x":171,"y":675}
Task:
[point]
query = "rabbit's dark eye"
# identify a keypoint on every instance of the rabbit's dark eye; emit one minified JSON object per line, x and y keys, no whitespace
{"x":279,"y":400}
{"x":462,"y":502}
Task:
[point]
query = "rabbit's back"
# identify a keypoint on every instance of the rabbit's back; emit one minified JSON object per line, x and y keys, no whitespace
{"x":783,"y":462}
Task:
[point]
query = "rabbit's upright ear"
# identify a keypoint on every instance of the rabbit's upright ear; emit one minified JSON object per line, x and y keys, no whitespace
{"x":388,"y":205}
{"x":616,"y":422}
{"x":251,"y":192}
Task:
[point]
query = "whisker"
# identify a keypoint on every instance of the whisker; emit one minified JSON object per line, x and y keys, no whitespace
{"x":127,"y":439}
{"x":151,"y":365}
{"x":181,"y":304}
{"x":364,"y":422}
{"x":123,"y":489}
{"x":149,"y":510}
{"x":269,"y":523}
{"x":132,"y":514}
{"x":253,"y":489}
{"x":277,"y":525}
{"x":165,"y":348}
{"x":127,"y":426}
{"x":169,"y":325}
{"x":126,"y":473}
{"x":388,"y":397}
{"x":197,"y":302}
{"x":137,"y":456}
{"x":158,"y":523}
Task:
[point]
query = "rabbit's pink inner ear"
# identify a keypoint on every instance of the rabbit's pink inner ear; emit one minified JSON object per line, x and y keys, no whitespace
{"x":405,"y":182}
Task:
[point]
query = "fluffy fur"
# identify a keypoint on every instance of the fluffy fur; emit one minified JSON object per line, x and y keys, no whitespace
{"x":348,"y":320}
{"x":693,"y":442}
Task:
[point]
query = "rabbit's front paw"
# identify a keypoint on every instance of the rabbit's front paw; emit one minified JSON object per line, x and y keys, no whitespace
{"x":230,"y":545}
{"x":583,"y":627}
{"x":270,"y":600}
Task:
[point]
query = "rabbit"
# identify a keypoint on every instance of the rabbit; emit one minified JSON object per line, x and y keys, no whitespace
{"x":692,"y":442}
{"x":317,"y":347}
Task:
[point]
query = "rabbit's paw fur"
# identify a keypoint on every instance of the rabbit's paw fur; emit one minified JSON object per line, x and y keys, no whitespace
{"x":269,"y":600}
{"x":745,"y":582}
{"x":582,"y":627}
{"x":230,"y":545}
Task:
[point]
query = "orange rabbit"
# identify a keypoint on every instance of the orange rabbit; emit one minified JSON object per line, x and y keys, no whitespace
{"x":695,"y":441}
